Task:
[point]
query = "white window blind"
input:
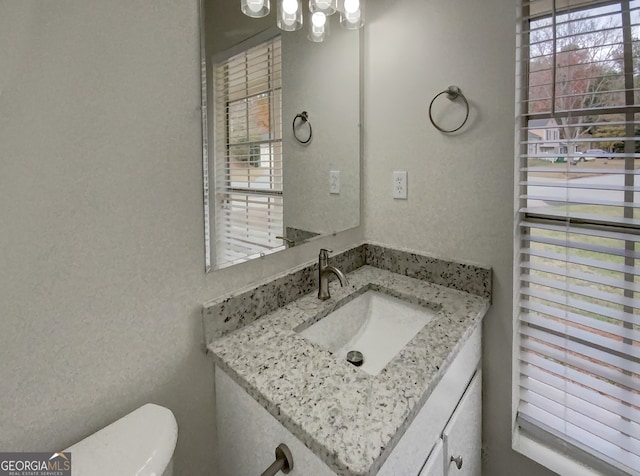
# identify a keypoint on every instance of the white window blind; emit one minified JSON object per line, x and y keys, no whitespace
{"x":578,"y":312}
{"x":248,"y":203}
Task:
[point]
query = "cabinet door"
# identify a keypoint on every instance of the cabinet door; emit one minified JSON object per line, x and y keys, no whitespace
{"x":248,"y":435}
{"x":462,"y":436}
{"x":411,"y":452}
{"x":435,"y":464}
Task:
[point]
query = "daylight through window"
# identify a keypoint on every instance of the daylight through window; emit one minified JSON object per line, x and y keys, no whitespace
{"x":578,"y":315}
{"x":248,"y":154}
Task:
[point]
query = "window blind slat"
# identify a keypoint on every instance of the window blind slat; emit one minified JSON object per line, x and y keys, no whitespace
{"x":268,"y":212}
{"x":587,"y":262}
{"x":580,"y":170}
{"x":535,"y":374}
{"x":580,"y":201}
{"x":563,"y":348}
{"x":567,"y":288}
{"x":603,"y":218}
{"x":580,"y":304}
{"x":582,"y":186}
{"x":630,"y":445}
{"x":564,"y":228}
{"x":527,"y":267}
{"x":578,"y":314}
{"x":581,"y":378}
{"x":248,"y":160}
{"x":256,"y":227}
{"x":582,"y":407}
{"x":583,"y":440}
{"x":249,"y":233}
{"x":611,"y":330}
{"x":245,"y":229}
{"x":579,"y":245}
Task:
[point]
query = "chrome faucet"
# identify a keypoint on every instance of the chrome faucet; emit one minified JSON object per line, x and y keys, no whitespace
{"x":288,"y":243}
{"x":323,"y":275}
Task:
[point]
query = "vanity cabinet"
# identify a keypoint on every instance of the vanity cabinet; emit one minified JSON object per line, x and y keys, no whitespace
{"x":450,"y":397}
{"x":462,"y":436}
{"x":458,"y":452}
{"x":448,"y":424}
{"x":248,"y":436}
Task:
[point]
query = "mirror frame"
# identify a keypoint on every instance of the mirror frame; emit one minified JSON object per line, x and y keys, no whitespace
{"x":205,"y":145}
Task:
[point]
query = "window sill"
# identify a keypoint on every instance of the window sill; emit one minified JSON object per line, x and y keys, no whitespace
{"x":549,"y":456}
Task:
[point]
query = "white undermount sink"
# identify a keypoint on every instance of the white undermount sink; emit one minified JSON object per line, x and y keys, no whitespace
{"x":373,"y":323}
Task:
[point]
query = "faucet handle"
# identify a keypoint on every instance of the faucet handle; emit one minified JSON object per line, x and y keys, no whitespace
{"x":324,"y":253}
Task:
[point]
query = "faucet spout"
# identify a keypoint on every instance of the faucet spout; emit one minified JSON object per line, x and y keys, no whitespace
{"x":339,"y":274}
{"x":324,"y":270}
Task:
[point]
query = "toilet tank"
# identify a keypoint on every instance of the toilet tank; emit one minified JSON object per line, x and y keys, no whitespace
{"x":140,"y":443}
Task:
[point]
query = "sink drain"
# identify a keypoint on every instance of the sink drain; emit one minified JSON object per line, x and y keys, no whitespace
{"x":355,"y":357}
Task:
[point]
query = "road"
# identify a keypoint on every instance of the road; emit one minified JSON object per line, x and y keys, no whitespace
{"x":560,"y":194}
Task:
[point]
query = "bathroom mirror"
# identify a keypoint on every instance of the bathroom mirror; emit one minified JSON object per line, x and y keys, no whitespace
{"x":265,"y":191}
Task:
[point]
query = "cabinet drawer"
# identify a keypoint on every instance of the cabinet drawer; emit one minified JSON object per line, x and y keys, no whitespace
{"x":462,"y":437}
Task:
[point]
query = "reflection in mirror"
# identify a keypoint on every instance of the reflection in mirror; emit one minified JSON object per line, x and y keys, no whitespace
{"x":264,"y":190}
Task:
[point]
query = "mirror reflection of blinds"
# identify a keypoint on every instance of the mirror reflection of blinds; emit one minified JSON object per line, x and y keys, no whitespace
{"x":578,"y":316}
{"x":248,"y":154}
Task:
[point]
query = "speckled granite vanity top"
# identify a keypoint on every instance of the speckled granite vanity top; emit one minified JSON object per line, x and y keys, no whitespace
{"x":350,"y":419}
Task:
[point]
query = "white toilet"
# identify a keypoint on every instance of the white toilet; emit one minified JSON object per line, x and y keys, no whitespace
{"x":138,"y":444}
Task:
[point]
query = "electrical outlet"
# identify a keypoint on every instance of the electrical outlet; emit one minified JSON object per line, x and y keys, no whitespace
{"x":400,"y":185}
{"x":334,"y":182}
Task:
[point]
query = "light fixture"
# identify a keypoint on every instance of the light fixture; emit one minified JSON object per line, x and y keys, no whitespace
{"x":289,"y":16}
{"x":255,"y":8}
{"x":352,"y":14}
{"x":328,"y":7}
{"x":319,"y":27}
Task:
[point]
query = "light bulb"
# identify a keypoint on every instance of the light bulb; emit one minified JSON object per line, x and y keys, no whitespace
{"x":328,"y":7}
{"x":318,"y":19}
{"x":289,"y":15}
{"x":255,"y":5}
{"x":290,"y":6}
{"x":351,"y":6}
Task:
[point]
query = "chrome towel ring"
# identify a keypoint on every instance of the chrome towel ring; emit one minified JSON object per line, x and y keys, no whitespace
{"x":453,"y":93}
{"x":304,"y":117}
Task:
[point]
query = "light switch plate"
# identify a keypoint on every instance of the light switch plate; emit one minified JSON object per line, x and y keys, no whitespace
{"x":400,"y":185}
{"x":334,"y":182}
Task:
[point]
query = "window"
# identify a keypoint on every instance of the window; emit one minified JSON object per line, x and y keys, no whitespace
{"x":577,"y":329}
{"x":248,"y":200}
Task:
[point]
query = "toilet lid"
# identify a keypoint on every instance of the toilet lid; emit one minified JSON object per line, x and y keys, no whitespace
{"x":140,"y":443}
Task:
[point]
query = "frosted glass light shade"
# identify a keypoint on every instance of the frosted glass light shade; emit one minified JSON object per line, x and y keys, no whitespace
{"x":255,"y":8}
{"x":352,"y":14}
{"x":289,"y":15}
{"x":318,"y":27}
{"x":328,"y":7}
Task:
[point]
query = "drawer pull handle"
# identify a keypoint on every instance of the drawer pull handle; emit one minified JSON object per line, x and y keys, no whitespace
{"x":283,"y":462}
{"x":457,"y":460}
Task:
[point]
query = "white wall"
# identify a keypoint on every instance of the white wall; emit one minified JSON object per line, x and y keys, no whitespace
{"x":101,"y":228}
{"x":460,"y":202}
{"x":324,"y":80}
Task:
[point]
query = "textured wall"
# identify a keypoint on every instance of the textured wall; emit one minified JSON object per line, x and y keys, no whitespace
{"x":101,"y":229}
{"x":322,"y":79}
{"x":460,"y":187}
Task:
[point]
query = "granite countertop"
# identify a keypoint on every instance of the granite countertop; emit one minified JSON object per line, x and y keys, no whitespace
{"x":351,"y":420}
